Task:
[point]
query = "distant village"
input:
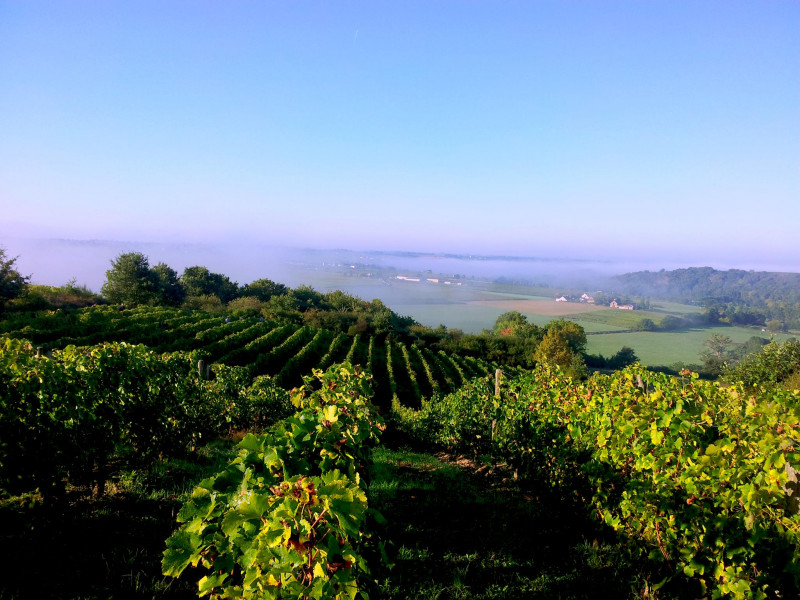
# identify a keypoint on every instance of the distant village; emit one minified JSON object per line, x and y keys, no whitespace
{"x":587,"y":299}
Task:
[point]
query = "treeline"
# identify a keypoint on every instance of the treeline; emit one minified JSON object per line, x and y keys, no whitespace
{"x":776,"y":319}
{"x":132,"y":281}
{"x":737,"y":297}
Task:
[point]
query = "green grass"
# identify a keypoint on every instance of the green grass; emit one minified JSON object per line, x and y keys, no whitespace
{"x":463,"y":534}
{"x":614,"y":317}
{"x":597,"y":326}
{"x":674,"y":308}
{"x":666,"y":348}
{"x":471,"y":318}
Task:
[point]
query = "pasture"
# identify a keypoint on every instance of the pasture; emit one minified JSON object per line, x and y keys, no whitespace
{"x":614,"y":318}
{"x":666,"y":348}
{"x":546,"y":308}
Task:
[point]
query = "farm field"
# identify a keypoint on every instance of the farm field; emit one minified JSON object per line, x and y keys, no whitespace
{"x":674,"y":308}
{"x":547,"y":308}
{"x":495,"y":295}
{"x":613,"y":317}
{"x":469,"y":317}
{"x":665,"y":348}
{"x":473,"y":316}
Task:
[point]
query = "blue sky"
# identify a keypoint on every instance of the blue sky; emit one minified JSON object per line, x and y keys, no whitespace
{"x":664,"y":129}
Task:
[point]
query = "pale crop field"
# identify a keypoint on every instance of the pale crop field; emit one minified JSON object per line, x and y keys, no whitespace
{"x":546,"y":308}
{"x":469,"y":317}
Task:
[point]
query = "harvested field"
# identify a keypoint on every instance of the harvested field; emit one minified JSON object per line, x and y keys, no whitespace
{"x":549,"y":308}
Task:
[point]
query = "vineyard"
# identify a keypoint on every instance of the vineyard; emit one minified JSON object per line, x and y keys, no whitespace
{"x":696,"y":477}
{"x":287,"y":352}
{"x":702,"y":475}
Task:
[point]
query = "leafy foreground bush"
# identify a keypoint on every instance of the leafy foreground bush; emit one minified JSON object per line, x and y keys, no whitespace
{"x":775,"y":364}
{"x":288,"y":518}
{"x":703,"y":475}
{"x":81,"y":413}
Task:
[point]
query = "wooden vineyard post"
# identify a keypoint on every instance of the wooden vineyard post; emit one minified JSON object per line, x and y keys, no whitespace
{"x":200,"y":370}
{"x":497,"y":374}
{"x":792,"y":489}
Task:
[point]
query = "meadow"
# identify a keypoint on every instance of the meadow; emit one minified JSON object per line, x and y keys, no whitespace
{"x":664,"y":348}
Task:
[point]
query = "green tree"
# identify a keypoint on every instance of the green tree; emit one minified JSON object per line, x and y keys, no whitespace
{"x":563,"y":344}
{"x":671,"y":323}
{"x":207,"y":302}
{"x":717,"y":354}
{"x":776,"y":325}
{"x":283,"y":308}
{"x":624,"y":356}
{"x":751,"y":346}
{"x":774,"y":364}
{"x":199,"y":281}
{"x":308,"y":298}
{"x":263,"y":289}
{"x":571,"y":332}
{"x":554,"y":349}
{"x":130,"y":280}
{"x":515,"y":340}
{"x":168,"y":288}
{"x":247,"y":306}
{"x":514,"y":323}
{"x":645,"y":325}
{"x":339,"y":300}
{"x":12,"y":283}
{"x":509,"y":323}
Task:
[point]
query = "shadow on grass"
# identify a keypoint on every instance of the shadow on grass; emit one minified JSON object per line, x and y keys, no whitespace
{"x":467,"y":535}
{"x":85,"y":548}
{"x":455,"y":534}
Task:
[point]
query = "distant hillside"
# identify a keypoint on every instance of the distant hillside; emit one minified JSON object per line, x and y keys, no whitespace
{"x":705,"y":284}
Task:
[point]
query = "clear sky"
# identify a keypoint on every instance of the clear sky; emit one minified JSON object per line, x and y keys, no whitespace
{"x":665,"y":129}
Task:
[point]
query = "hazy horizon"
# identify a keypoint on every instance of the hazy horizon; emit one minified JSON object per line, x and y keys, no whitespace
{"x":661,"y":133}
{"x":56,"y":261}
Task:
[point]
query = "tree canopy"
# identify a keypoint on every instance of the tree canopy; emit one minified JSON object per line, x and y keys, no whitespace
{"x":263,"y":289}
{"x":12,"y":283}
{"x":563,"y":344}
{"x":512,"y":323}
{"x":169,"y":288}
{"x":130,"y":280}
{"x":199,"y":281}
